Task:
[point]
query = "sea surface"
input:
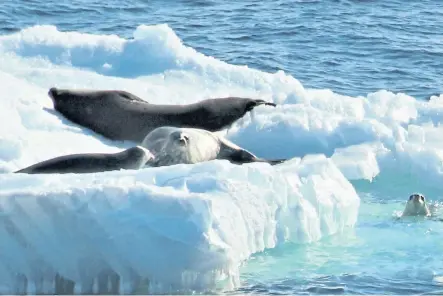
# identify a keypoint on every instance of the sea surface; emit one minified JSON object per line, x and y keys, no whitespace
{"x":349,"y":47}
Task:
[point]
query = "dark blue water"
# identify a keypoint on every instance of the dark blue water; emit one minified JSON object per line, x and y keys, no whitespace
{"x":350,"y":47}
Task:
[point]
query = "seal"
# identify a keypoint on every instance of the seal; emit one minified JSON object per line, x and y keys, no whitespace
{"x":176,"y":145}
{"x":130,"y":159}
{"x":121,"y":116}
{"x":416,"y":206}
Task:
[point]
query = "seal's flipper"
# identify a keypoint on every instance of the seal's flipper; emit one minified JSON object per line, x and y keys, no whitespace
{"x":274,"y":161}
{"x":238,"y":155}
{"x":243,"y":156}
{"x":131,"y":97}
{"x":254,"y":103}
{"x":270,"y":161}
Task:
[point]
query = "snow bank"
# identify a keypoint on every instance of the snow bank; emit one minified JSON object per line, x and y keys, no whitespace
{"x":186,"y":227}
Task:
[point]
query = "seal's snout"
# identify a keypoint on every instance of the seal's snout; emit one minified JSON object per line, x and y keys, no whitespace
{"x":417,"y":198}
{"x":183,"y":140}
{"x":180,"y":138}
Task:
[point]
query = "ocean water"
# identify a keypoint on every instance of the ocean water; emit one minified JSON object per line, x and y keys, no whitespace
{"x":352,"y":80}
{"x":350,"y":47}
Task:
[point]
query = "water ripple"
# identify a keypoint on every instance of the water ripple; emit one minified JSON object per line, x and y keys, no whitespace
{"x":355,"y":284}
{"x":394,"y":45}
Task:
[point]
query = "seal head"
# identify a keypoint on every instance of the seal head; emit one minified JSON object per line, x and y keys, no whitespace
{"x":416,"y":206}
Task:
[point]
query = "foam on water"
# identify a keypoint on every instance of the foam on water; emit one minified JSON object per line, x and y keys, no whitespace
{"x":187,"y":227}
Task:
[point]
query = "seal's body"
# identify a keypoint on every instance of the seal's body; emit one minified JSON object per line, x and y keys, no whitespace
{"x":173,"y":145}
{"x":130,"y":159}
{"x":416,"y":206}
{"x":119,"y":115}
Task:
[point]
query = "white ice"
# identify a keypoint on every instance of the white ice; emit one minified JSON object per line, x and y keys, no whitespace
{"x":184,"y":227}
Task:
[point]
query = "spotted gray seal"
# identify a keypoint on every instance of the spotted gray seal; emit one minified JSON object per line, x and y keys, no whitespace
{"x":175,"y":145}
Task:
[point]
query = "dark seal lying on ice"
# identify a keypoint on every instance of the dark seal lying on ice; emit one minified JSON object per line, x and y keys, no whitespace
{"x":119,"y":115}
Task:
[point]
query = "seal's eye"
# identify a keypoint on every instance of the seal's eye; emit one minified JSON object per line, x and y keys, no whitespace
{"x":411,"y":197}
{"x":422,"y":197}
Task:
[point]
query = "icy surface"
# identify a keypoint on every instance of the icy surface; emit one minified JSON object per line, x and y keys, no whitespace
{"x":164,"y":223}
{"x":185,"y":227}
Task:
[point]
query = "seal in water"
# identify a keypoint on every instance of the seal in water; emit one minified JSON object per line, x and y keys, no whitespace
{"x":416,"y":206}
{"x":130,"y":159}
{"x":119,"y":115}
{"x":175,"y":145}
